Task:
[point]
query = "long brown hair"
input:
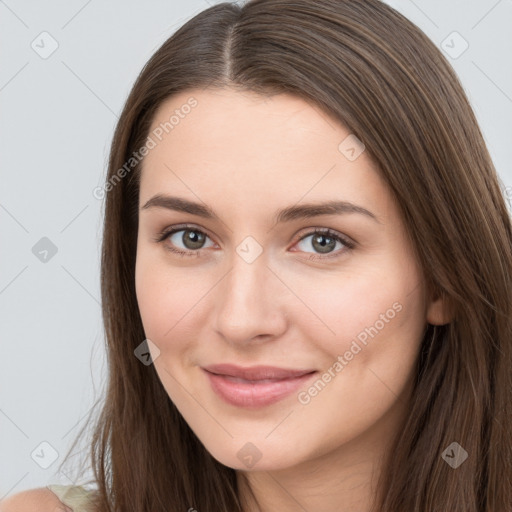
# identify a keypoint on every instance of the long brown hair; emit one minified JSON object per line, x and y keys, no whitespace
{"x":383,"y":79}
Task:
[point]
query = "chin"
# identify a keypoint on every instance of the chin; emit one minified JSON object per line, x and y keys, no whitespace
{"x":248,"y":456}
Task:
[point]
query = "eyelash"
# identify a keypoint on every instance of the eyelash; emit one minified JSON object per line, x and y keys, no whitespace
{"x":166,"y":233}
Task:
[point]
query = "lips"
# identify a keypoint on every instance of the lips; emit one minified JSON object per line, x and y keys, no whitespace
{"x":256,"y":373}
{"x":256,"y":386}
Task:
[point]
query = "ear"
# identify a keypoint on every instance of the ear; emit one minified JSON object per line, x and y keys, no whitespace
{"x":440,"y":309}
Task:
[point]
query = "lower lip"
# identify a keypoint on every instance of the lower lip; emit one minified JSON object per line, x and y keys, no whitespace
{"x":252,"y":394}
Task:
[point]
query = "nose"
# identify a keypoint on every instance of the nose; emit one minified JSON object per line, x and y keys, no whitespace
{"x":250,"y":303}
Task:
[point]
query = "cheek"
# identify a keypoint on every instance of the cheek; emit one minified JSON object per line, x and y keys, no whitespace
{"x":168,"y":299}
{"x":368,"y":363}
{"x":367,"y":317}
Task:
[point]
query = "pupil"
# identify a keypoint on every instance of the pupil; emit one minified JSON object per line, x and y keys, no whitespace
{"x":324,"y":247}
{"x":194,"y":238}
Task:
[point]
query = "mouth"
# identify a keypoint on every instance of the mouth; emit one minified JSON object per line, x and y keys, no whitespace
{"x":256,"y":373}
{"x":256,"y":386}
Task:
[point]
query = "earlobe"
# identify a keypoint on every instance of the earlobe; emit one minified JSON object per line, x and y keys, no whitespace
{"x":440,"y":310}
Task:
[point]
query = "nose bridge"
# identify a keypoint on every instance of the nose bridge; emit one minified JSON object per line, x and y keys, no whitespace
{"x":247,"y":305}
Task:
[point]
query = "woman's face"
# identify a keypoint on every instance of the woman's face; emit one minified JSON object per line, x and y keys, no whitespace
{"x":253,"y":287}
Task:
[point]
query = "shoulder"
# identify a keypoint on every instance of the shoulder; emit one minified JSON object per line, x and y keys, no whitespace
{"x":33,"y":500}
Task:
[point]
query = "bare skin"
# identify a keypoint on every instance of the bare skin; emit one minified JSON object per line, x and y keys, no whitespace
{"x":246,"y":156}
{"x":33,"y":500}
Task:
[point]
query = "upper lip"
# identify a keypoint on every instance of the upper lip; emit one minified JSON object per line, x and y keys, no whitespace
{"x":255,"y":372}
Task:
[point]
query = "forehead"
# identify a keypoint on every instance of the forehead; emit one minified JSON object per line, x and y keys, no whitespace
{"x":230,"y":100}
{"x":243,"y":119}
{"x":257,"y":148}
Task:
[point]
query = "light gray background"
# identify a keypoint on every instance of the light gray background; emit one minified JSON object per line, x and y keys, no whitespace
{"x":58,"y":117}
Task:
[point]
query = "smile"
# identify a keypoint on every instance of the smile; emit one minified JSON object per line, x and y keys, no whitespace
{"x":255,"y":393}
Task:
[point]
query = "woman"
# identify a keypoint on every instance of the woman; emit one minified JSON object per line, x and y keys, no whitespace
{"x":340,"y":338}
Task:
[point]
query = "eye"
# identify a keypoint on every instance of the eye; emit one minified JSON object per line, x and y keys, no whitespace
{"x":191,"y":239}
{"x":325,"y":240}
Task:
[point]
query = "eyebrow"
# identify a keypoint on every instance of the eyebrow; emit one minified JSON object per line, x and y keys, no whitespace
{"x":303,"y":211}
